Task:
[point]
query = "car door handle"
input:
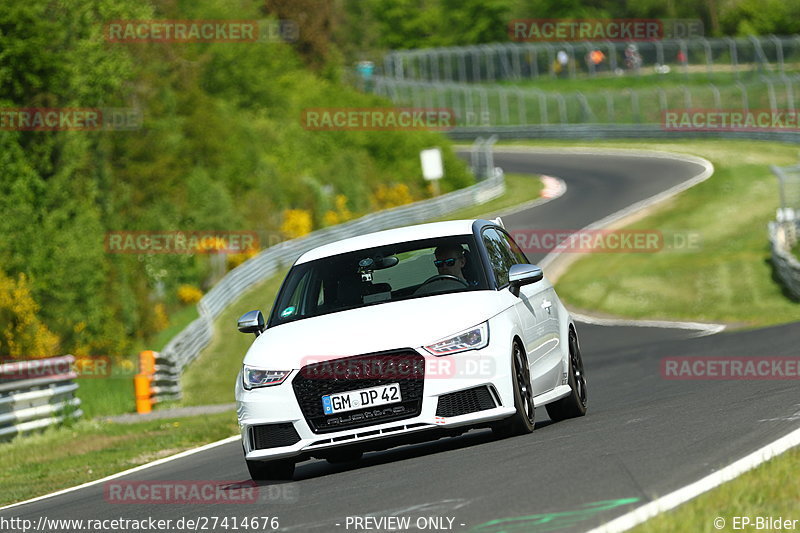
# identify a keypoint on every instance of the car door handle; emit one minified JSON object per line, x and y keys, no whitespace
{"x":547,"y":304}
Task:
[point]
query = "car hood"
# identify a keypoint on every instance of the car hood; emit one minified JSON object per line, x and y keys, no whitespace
{"x":404,"y":324}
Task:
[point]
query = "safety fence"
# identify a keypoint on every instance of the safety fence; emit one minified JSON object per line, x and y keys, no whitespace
{"x":490,"y":63}
{"x":36,"y":394}
{"x":481,"y":106}
{"x":187,"y":345}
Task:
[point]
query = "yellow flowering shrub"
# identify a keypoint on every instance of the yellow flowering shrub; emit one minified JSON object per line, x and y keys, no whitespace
{"x":339,"y":214}
{"x":296,"y":223}
{"x":189,"y":294}
{"x":387,"y":196}
{"x":22,"y":334}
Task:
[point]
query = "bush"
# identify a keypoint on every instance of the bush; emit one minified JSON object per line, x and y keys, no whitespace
{"x":189,"y":294}
{"x":22,"y":335}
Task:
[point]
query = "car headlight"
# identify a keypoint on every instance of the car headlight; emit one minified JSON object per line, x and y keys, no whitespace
{"x":253,"y":377}
{"x":470,"y":339}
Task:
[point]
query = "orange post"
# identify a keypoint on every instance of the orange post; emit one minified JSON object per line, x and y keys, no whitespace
{"x":141,"y":388}
{"x":147,"y":362}
{"x":142,"y":381}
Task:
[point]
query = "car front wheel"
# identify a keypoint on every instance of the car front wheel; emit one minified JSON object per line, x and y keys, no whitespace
{"x":521,"y":422}
{"x":574,"y":404}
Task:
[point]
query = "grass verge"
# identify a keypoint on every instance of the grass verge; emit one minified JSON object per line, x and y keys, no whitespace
{"x":770,"y":490}
{"x":94,"y":449}
{"x":728,"y":278}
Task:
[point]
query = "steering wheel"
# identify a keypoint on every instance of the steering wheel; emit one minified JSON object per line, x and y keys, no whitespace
{"x":443,"y":277}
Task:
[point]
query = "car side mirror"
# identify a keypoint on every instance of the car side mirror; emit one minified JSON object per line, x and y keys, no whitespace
{"x":519,"y":275}
{"x":252,"y":322}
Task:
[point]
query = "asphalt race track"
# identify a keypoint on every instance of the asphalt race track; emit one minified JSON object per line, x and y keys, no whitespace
{"x":643,"y":436}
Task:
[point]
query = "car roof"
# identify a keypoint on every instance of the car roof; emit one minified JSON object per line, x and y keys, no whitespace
{"x":391,"y":236}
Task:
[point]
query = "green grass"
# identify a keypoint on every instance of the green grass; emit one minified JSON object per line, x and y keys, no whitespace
{"x":106,"y":396}
{"x":648,"y":79}
{"x":89,"y":450}
{"x":770,"y":490}
{"x":520,"y":188}
{"x":177,"y":321}
{"x":729,"y":279}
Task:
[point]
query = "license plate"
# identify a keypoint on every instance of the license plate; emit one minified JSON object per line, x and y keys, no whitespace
{"x":358,"y":399}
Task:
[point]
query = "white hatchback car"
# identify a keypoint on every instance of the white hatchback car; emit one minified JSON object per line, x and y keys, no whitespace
{"x":402,"y":336}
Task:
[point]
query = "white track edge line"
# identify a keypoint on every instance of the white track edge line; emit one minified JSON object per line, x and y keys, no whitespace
{"x":145,"y":466}
{"x":684,"y":494}
{"x":702,"y":328}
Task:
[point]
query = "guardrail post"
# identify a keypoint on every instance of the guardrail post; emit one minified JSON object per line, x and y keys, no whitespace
{"x":141,"y":388}
{"x":143,"y":380}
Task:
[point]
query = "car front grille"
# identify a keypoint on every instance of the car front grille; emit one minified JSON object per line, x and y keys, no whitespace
{"x":267,"y":436}
{"x":465,"y":402}
{"x":404,"y":367}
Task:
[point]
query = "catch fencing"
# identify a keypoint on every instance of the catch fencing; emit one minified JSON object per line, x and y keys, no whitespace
{"x":481,"y":106}
{"x":187,"y":345}
{"x":490,"y":63}
{"x":37,"y":394}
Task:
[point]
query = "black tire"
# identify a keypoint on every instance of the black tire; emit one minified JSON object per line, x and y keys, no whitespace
{"x":574,"y":404}
{"x":344,"y":456}
{"x":521,"y":422}
{"x":270,"y":470}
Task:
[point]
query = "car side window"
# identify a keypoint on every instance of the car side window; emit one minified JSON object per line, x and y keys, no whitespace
{"x":500,"y":255}
{"x":520,"y":258}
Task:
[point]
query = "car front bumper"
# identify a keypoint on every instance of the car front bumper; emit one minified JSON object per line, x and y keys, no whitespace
{"x":466,"y":389}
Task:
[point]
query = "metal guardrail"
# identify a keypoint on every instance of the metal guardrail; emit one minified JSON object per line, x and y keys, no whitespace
{"x":784,"y":232}
{"x":36,"y":394}
{"x":489,"y":63}
{"x":165,"y":384}
{"x":186,"y":345}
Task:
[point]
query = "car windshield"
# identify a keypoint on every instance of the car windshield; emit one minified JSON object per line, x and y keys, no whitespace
{"x":379,"y":275}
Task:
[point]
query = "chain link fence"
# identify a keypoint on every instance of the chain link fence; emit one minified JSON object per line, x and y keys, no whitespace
{"x":476,"y":106}
{"x":490,"y":63}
